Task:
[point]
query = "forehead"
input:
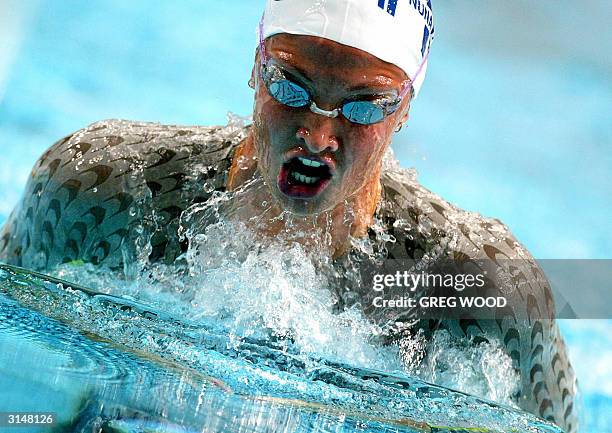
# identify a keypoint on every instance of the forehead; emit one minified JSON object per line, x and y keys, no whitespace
{"x":317,"y":55}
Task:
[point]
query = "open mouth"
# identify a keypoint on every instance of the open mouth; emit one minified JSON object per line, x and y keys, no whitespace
{"x":304,"y":177}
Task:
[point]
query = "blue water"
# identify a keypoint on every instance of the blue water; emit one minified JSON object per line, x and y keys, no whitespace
{"x":513,"y":120}
{"x":113,"y":360}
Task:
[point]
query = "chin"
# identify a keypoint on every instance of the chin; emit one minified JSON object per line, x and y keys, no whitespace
{"x":298,"y":206}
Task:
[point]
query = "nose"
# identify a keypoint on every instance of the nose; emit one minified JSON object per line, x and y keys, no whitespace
{"x":318,"y":138}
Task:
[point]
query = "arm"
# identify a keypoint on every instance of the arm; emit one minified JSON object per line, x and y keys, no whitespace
{"x":526,"y":329}
{"x":527,"y":332}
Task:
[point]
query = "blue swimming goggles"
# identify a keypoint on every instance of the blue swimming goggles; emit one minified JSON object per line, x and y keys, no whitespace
{"x":292,"y":94}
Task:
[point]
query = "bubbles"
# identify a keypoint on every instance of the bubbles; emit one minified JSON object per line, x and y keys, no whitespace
{"x":261,"y":320}
{"x":261,"y":286}
{"x":274,"y":287}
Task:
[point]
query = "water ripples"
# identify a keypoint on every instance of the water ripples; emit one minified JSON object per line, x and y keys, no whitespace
{"x":78,"y":357}
{"x":132,"y":365}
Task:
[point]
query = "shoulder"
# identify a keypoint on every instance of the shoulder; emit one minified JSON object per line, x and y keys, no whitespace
{"x":428,"y":228}
{"x":88,"y":190}
{"x":110,"y":150}
{"x":417,"y":213}
{"x":143,"y":138}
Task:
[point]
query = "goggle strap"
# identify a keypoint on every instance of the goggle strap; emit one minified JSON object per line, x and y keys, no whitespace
{"x":262,"y":46}
{"x":408,"y":85}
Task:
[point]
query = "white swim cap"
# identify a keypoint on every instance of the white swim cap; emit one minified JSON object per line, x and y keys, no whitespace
{"x":396,"y":31}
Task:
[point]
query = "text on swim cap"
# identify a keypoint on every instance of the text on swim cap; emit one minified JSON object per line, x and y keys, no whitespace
{"x":391,"y":5}
{"x":424,"y":9}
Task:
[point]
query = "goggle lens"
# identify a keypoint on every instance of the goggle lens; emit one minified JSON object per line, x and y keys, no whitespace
{"x":288,"y":93}
{"x":363,"y":112}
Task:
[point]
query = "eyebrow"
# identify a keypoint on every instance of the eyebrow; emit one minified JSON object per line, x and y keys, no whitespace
{"x":361,"y":89}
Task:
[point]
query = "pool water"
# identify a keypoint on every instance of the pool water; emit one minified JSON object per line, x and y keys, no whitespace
{"x":282,"y":360}
{"x":543,"y":146}
{"x":113,"y":363}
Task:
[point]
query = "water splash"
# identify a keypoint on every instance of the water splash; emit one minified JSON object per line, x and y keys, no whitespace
{"x":275,"y":288}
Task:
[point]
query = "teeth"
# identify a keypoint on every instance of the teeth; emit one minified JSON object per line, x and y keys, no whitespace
{"x":310,"y":162}
{"x":304,"y":179}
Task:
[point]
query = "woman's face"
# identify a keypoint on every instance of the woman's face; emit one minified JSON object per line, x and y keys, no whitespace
{"x":312,"y":162}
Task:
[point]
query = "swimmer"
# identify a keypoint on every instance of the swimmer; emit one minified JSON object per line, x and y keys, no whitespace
{"x":333,"y":81}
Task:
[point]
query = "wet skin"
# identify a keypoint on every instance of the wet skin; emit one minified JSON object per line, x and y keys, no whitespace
{"x":332,"y":73}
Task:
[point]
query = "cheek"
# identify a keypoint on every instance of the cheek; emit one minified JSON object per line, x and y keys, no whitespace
{"x":270,"y":110}
{"x":272,"y":124}
{"x":368,"y":145}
